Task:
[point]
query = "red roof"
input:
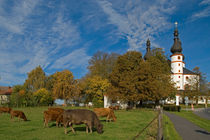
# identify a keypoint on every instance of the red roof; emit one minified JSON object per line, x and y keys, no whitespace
{"x":5,"y":90}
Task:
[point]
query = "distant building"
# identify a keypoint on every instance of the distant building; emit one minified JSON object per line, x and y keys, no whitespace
{"x":5,"y":92}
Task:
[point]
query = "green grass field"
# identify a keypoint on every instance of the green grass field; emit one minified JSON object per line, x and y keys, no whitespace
{"x":128,"y":124}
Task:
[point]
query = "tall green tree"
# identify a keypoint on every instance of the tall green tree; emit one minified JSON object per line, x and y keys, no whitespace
{"x":101,"y":64}
{"x":125,"y":78}
{"x":36,"y":79}
{"x":17,"y":97}
{"x":156,"y":78}
{"x":64,"y":85}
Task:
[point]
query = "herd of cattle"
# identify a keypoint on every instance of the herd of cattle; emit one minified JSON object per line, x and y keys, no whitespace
{"x":70,"y":117}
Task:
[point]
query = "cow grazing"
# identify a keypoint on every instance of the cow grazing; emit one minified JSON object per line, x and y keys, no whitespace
{"x":5,"y":110}
{"x":51,"y":115}
{"x":56,"y":109}
{"x":105,"y":112}
{"x":19,"y":114}
{"x":81,"y":116}
{"x":117,"y":107}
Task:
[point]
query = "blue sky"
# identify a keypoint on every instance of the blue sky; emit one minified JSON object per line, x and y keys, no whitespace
{"x":64,"y":34}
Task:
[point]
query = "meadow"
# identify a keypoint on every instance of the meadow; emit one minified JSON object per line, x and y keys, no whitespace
{"x":128,"y":124}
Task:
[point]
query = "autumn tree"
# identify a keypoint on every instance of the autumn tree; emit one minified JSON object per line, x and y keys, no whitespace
{"x":50,"y":80}
{"x":101,"y":64}
{"x":94,"y":88}
{"x":197,"y":86}
{"x":64,"y":85}
{"x":125,"y":78}
{"x":17,"y":97}
{"x":36,"y":79}
{"x":155,"y":77}
{"x":43,"y":97}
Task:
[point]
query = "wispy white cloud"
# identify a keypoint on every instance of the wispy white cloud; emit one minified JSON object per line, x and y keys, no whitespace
{"x":13,"y":20}
{"x":64,"y":33}
{"x":205,"y":12}
{"x":10,"y":79}
{"x":26,"y":42}
{"x":139,"y":20}
{"x":72,"y":60}
{"x":205,"y":2}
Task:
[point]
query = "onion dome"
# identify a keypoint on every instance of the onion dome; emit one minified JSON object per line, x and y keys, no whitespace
{"x":177,"y":46}
{"x":148,"y":53}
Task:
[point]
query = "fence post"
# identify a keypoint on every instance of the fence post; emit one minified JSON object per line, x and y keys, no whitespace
{"x":160,"y":128}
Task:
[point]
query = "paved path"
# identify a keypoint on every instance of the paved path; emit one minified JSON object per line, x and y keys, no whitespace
{"x":188,"y":130}
{"x":203,"y":113}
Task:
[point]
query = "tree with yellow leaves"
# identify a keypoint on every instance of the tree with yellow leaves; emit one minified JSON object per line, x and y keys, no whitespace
{"x":36,"y":80}
{"x":94,"y":88}
{"x":43,"y":97}
{"x":65,"y":87}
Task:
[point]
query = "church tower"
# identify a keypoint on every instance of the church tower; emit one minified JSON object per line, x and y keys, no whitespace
{"x":148,"y":53}
{"x":177,"y":61}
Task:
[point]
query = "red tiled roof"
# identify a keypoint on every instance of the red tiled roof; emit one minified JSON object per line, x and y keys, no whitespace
{"x":5,"y":90}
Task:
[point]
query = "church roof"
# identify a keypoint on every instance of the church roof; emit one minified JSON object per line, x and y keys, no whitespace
{"x":177,"y":46}
{"x":186,"y":71}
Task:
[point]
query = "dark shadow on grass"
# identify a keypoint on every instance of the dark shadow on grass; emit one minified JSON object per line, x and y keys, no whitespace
{"x":203,"y":132}
{"x":52,"y":125}
{"x":80,"y":128}
{"x":106,"y":121}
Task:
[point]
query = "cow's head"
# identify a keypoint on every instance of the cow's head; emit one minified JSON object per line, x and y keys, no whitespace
{"x":100,"y":128}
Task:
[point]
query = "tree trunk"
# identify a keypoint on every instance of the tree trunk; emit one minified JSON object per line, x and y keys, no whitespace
{"x":196,"y":101}
{"x":156,"y":102}
{"x":134,"y":105}
{"x":206,"y":103}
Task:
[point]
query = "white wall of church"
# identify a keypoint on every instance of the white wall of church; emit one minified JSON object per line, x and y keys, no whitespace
{"x":178,"y":80}
{"x":177,"y":57}
{"x":177,"y":63}
{"x":190,"y":79}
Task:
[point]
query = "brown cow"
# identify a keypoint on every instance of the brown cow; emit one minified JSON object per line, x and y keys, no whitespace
{"x":19,"y":114}
{"x":5,"y":110}
{"x":105,"y":112}
{"x":56,"y":109}
{"x":51,"y":115}
{"x":81,"y":116}
{"x":117,"y":107}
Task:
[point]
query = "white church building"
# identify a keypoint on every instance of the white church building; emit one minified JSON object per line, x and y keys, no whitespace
{"x":180,"y":75}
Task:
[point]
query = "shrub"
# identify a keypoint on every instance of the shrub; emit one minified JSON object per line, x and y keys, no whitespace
{"x":146,"y":106}
{"x":172,"y":108}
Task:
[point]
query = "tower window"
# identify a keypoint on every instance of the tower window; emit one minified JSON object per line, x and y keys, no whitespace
{"x":179,"y":57}
{"x":179,"y":64}
{"x":179,"y":76}
{"x":187,"y":77}
{"x":179,"y":70}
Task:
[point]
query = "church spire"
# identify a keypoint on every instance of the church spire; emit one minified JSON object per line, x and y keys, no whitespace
{"x":148,"y":53}
{"x":177,"y":46}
